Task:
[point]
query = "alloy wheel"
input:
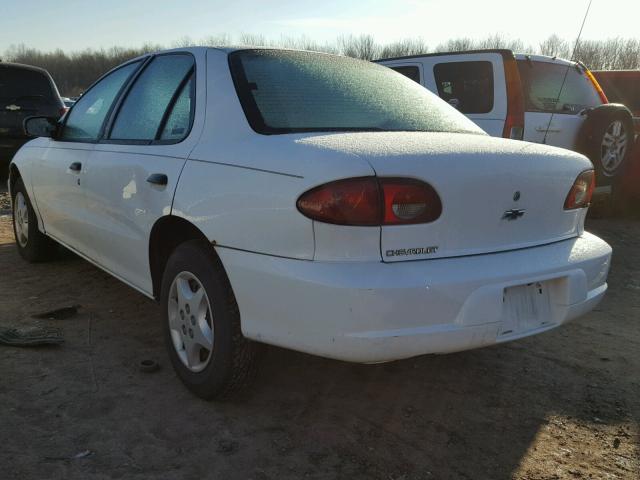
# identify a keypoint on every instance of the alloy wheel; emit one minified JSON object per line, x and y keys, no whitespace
{"x":21,"y":219}
{"x":613,"y":148}
{"x":191,"y":321}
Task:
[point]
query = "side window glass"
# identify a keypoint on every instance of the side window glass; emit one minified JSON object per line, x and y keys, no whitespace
{"x":410,"y":72}
{"x":179,"y":119}
{"x":144,"y":107}
{"x":87,"y":116}
{"x":466,"y":85}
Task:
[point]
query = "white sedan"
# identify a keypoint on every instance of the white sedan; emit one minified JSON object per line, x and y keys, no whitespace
{"x":315,"y":202}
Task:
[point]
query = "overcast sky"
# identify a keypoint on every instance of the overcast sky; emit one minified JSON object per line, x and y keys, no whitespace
{"x":78,"y":24}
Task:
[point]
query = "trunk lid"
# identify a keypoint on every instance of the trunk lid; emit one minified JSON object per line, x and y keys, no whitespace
{"x":496,"y":194}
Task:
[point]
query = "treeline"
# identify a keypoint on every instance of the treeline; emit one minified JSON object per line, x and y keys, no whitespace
{"x":75,"y":71}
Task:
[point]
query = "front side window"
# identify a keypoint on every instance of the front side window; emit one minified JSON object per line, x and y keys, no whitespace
{"x":285,"y":91}
{"x":84,"y":121}
{"x":466,"y":85}
{"x":556,"y":88}
{"x":144,"y":108}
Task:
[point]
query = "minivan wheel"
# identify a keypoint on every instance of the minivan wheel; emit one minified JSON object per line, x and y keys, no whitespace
{"x":613,"y":148}
{"x":33,"y":245}
{"x":202,"y":324}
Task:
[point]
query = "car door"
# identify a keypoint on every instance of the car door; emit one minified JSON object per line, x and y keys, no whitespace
{"x":556,"y":92}
{"x":133,"y":172}
{"x":59,"y":170}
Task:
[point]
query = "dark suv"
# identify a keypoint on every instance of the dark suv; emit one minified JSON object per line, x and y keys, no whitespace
{"x":25,"y":91}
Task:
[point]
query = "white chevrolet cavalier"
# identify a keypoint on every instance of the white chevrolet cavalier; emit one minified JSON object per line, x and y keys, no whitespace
{"x":310,"y":201}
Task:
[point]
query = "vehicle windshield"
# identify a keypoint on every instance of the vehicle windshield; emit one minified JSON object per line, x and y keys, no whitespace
{"x":556,"y":88}
{"x":24,"y":86}
{"x":292,"y":91}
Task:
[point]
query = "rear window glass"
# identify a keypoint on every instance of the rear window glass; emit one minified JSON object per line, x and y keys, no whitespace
{"x":290,"y":91}
{"x":22,"y":86}
{"x":544,"y":91}
{"x":410,"y":72}
{"x":468,"y":86}
{"x":623,"y":87}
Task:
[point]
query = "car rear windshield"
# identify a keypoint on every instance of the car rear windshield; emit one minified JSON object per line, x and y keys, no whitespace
{"x":24,"y":86}
{"x":285,"y":91}
{"x":547,"y":90}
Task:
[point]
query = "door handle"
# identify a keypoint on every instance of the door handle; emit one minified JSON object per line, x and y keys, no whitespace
{"x":158,"y":179}
{"x":545,"y":129}
{"x":75,"y":167}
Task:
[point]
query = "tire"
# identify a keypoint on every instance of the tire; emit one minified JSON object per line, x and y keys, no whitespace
{"x":33,"y":245}
{"x":207,"y":350}
{"x":607,"y":139}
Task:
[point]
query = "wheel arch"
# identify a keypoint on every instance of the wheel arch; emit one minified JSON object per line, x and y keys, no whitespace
{"x":14,"y":175}
{"x":166,"y":235}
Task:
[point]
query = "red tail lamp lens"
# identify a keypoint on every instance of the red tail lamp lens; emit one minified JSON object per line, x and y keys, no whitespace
{"x":580,"y":194}
{"x":371,"y":201}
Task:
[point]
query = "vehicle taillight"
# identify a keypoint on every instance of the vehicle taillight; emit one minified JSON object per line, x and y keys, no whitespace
{"x":580,"y":194}
{"x":371,"y":201}
{"x":596,"y":85}
{"x":514,"y":123}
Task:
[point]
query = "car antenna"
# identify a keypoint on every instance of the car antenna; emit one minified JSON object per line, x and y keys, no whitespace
{"x":564,"y":79}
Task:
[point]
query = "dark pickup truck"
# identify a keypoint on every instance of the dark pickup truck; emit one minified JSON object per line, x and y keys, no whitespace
{"x":25,"y":91}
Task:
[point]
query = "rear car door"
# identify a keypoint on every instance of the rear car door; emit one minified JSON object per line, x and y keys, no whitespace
{"x":474,"y":83}
{"x":133,"y":171}
{"x":555,"y":92}
{"x":58,"y":172}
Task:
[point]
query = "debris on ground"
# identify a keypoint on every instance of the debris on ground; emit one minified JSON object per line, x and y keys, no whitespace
{"x":63,"y":313}
{"x":31,"y":337}
{"x":149,"y":366}
{"x":77,"y":456}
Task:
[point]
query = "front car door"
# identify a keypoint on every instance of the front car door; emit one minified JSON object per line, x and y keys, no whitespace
{"x":133,"y":171}
{"x":59,"y":169}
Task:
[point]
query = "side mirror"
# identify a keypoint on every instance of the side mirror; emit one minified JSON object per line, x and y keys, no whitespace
{"x":40,"y":126}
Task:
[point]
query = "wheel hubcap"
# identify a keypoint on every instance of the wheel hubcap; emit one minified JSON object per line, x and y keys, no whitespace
{"x":614,"y":147}
{"x":21,"y":219}
{"x":191,"y":321}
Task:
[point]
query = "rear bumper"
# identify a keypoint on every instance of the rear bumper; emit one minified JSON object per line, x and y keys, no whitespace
{"x":376,"y":312}
{"x":8,"y":148}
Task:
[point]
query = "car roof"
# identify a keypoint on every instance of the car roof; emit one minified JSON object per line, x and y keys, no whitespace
{"x":20,"y":66}
{"x":544,"y":58}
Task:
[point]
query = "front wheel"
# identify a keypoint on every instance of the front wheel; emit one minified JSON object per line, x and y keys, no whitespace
{"x":202,"y":324}
{"x":33,"y":245}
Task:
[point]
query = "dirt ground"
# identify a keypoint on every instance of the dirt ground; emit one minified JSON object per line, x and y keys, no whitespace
{"x":565,"y":404}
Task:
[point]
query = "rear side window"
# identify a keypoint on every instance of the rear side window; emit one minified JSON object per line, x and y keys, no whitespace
{"x":24,"y":87}
{"x":542,"y":83}
{"x":410,"y":72}
{"x":179,"y":118}
{"x":468,"y":86}
{"x":144,"y":108}
{"x":84,"y":121}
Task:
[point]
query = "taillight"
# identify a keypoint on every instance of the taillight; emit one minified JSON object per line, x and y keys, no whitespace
{"x":514,"y":123}
{"x":371,"y":201}
{"x":580,"y":194}
{"x":596,"y":85}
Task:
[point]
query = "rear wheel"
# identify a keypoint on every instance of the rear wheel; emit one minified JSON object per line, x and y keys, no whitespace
{"x":202,"y":324}
{"x":32,"y":244}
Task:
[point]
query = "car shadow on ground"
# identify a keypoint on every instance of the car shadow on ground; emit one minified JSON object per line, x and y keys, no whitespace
{"x":543,"y":406}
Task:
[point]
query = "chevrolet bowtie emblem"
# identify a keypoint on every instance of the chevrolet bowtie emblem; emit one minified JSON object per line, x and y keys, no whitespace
{"x":13,"y":108}
{"x":513,"y":214}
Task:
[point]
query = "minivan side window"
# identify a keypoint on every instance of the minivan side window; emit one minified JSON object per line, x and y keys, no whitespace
{"x":466,"y":85}
{"x":542,"y":83}
{"x":84,"y":121}
{"x":410,"y":72}
{"x":143,"y":110}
